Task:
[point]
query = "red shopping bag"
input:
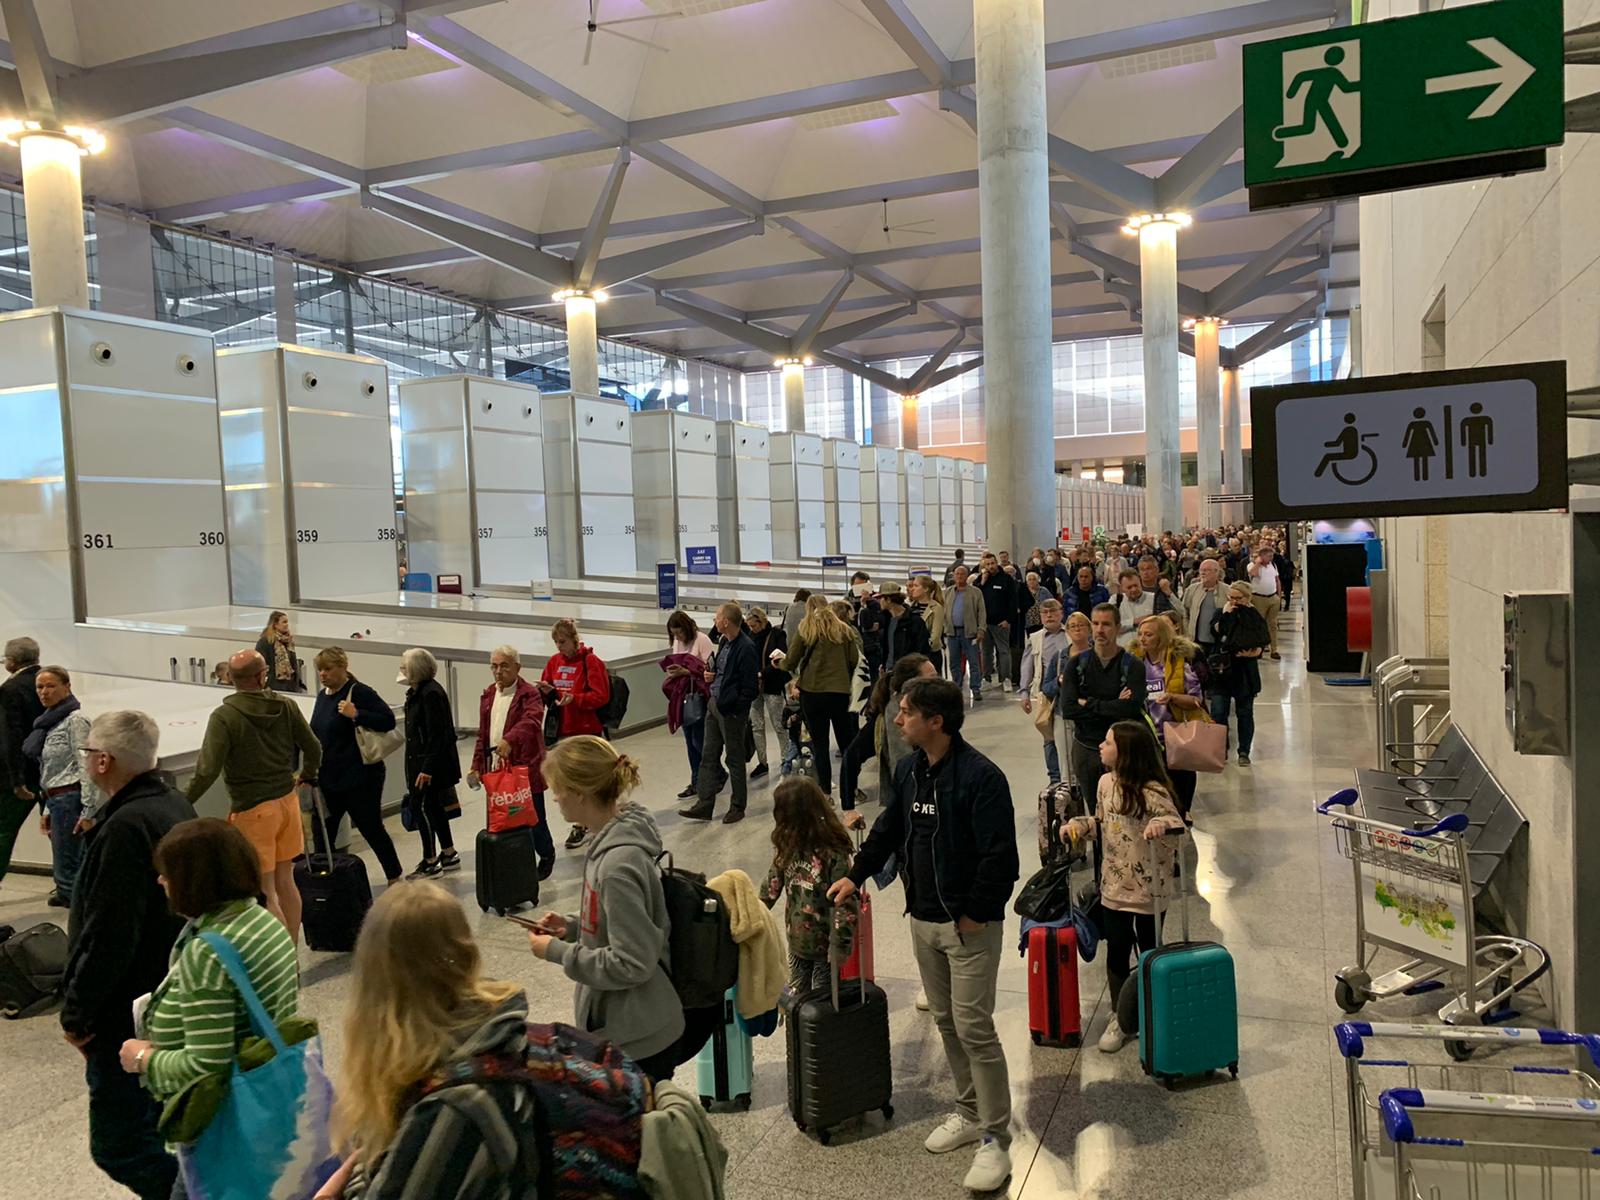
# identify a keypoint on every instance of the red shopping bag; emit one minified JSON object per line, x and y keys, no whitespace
{"x":510,"y":799}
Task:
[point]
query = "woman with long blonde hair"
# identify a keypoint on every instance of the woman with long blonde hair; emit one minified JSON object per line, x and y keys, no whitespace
{"x":1172,"y":692}
{"x":822,"y":658}
{"x":927,"y":601}
{"x":276,"y":647}
{"x":420,"y":1004}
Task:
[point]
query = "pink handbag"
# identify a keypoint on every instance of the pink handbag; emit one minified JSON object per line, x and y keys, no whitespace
{"x":1196,"y":745}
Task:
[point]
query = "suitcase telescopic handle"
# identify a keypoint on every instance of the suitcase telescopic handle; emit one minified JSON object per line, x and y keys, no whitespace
{"x":319,"y":814}
{"x":1163,"y":898}
{"x":835,"y":966}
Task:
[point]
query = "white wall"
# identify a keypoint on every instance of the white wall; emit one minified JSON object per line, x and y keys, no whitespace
{"x":1518,"y":262}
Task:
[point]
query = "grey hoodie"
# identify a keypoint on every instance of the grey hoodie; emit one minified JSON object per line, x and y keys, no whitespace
{"x":616,"y":948}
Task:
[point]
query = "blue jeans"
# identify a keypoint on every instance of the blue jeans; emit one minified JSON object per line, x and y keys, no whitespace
{"x":1052,"y":753}
{"x":966,"y":650}
{"x":1245,"y":709}
{"x":694,"y":741}
{"x":66,"y":846}
{"x":122,"y":1124}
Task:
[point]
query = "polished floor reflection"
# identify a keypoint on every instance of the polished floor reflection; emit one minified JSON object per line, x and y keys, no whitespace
{"x":1089,"y":1125}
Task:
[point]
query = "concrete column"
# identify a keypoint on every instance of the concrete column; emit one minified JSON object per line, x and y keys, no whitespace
{"x":794,"y":397}
{"x":1158,"y":275}
{"x":1014,"y":223}
{"x":283,"y":301}
{"x":1208,"y":415}
{"x":583,"y":346}
{"x":1232,"y":443}
{"x":52,"y":193}
{"x":910,"y":422}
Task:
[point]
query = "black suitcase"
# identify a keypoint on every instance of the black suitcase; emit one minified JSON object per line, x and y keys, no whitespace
{"x":838,"y":1055}
{"x":508,"y":870}
{"x":32,"y":964}
{"x":335,"y":893}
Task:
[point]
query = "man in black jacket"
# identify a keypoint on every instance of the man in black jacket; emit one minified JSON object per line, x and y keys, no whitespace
{"x":1000,"y":605}
{"x":1103,"y":685}
{"x":19,"y":706}
{"x":948,"y":817}
{"x":121,"y":935}
{"x":735,"y":679}
{"x":903,"y":632}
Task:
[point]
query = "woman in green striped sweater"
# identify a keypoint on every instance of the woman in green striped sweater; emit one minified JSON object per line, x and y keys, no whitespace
{"x":194,"y":1020}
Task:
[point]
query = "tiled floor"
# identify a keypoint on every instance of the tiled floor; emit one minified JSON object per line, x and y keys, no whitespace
{"x":1088,"y":1125}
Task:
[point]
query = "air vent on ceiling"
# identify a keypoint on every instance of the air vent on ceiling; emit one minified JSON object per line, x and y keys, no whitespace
{"x":694,"y":8}
{"x":391,"y":66}
{"x":1158,"y":60}
{"x":854,"y":114}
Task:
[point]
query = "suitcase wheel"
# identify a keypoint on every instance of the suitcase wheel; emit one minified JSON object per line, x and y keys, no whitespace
{"x":1233,"y":1069}
{"x":800,"y":1125}
{"x":743,"y":1102}
{"x":705,"y":1103}
{"x":1038,"y":1038}
{"x":823,"y":1136}
{"x":888,"y":1112}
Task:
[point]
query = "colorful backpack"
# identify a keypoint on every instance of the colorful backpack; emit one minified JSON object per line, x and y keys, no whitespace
{"x":589,"y":1105}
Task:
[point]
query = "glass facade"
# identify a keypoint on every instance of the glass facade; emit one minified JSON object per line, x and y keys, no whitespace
{"x":16,"y":284}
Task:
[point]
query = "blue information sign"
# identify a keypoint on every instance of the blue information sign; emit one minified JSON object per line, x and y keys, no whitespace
{"x":667,"y":585}
{"x":702,"y":559}
{"x":834,"y":560}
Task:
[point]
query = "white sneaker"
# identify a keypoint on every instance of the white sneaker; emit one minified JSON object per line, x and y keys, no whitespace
{"x":1113,"y":1039}
{"x":922,"y":1001}
{"x":991,"y":1167}
{"x":955,"y":1133}
{"x":1006,"y":687}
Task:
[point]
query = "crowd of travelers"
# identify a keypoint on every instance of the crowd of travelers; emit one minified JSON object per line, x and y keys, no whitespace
{"x":183,"y":967}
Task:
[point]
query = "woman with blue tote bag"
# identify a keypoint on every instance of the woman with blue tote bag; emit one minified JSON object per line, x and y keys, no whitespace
{"x":244,"y":1095}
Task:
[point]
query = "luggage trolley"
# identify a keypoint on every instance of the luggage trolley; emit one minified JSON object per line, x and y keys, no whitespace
{"x":1370,"y":1078}
{"x":1414,"y":894}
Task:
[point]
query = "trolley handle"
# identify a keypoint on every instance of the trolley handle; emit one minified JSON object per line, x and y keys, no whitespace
{"x":1395,"y":1105}
{"x":1345,"y":799}
{"x":1351,"y":1036}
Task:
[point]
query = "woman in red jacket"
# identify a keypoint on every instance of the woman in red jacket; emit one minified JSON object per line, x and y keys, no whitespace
{"x":575,"y":683}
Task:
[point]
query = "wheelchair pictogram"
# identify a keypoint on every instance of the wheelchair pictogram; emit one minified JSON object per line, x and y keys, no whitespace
{"x":1348,"y":446}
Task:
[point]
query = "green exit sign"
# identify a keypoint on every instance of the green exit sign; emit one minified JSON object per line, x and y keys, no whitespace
{"x":1437,"y":97}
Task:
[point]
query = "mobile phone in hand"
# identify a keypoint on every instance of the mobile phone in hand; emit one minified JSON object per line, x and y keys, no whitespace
{"x":525,"y":922}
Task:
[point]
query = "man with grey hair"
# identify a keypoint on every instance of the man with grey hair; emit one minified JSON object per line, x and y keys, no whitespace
{"x":251,"y":742}
{"x":511,"y":734}
{"x":19,"y":708}
{"x":121,"y":938}
{"x":735,"y":679}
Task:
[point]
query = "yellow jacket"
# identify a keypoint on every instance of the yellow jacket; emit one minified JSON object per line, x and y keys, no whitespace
{"x":762,"y":968}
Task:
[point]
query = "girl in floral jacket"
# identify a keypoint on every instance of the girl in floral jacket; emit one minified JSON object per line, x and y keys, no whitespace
{"x":813,"y":853}
{"x":1134,"y":805}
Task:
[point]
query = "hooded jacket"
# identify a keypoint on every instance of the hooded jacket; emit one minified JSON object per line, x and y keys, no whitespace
{"x":431,"y":736}
{"x":682,"y":1157}
{"x":616,"y":949}
{"x":584,"y":676}
{"x":457,"y":1143}
{"x":762,"y":969}
{"x":251,"y":741}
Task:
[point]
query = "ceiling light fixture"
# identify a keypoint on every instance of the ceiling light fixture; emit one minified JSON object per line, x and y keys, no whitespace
{"x":1191,"y":322}
{"x":790,"y":361}
{"x":89,"y":141}
{"x":574,"y":293}
{"x":1135,"y":223}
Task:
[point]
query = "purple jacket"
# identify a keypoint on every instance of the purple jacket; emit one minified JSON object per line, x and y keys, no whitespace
{"x":676,"y":688}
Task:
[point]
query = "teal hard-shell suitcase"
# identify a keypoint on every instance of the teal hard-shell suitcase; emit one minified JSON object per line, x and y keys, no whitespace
{"x":725,"y":1064}
{"x":1188,"y":1007}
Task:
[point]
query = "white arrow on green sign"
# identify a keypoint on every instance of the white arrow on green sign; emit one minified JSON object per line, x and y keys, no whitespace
{"x":1432,"y":98}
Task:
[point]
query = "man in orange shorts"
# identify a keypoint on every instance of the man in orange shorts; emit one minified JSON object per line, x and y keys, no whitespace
{"x":251,"y":741}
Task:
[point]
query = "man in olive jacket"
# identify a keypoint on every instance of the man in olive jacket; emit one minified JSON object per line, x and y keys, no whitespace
{"x":251,"y":741}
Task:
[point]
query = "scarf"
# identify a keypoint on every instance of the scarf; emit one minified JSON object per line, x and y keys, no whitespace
{"x":33,"y":744}
{"x":282,"y":661}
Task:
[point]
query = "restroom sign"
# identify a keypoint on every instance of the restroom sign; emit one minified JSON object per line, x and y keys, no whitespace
{"x":1490,"y":439}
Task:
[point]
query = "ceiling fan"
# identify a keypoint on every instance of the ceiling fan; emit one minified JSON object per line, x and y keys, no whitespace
{"x":910,"y":227}
{"x":594,"y":25}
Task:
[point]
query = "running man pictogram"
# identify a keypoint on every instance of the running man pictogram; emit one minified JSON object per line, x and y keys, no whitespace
{"x":1325,"y":85}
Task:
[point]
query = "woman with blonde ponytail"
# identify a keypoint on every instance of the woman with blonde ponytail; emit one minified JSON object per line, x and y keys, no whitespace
{"x":822,"y":658}
{"x":420,"y":1004}
{"x":615,"y":946}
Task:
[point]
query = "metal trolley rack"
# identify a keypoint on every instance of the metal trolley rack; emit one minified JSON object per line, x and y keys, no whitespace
{"x":1485,"y":1131}
{"x":1414,"y":894}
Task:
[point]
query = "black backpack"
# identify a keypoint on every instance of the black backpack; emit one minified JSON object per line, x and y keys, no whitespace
{"x":705,"y":959}
{"x":611,"y":713}
{"x":32,"y":966}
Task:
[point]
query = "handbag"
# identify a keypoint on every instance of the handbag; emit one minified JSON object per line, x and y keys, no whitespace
{"x":408,"y":812}
{"x":694,"y":708}
{"x":271,"y":1136}
{"x":1196,"y":745}
{"x":1047,"y":896}
{"x":1044,"y":716}
{"x":375,"y":746}
{"x":552,"y":722}
{"x":509,"y":799}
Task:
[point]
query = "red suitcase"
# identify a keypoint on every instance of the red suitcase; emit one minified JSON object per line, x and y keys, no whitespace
{"x":861,"y":947}
{"x":1053,"y":1015}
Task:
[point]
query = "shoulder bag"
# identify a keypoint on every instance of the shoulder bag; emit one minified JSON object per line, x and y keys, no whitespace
{"x":375,"y":746}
